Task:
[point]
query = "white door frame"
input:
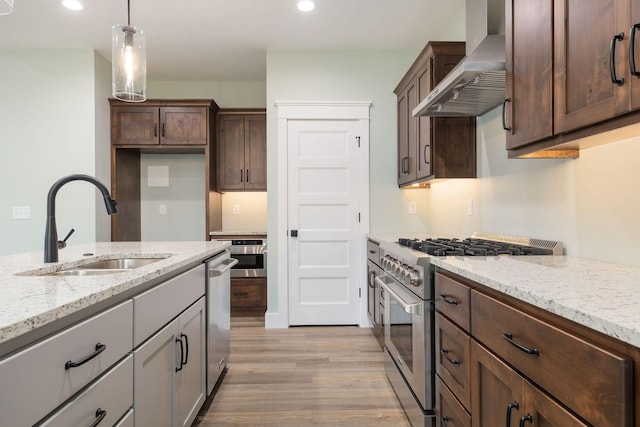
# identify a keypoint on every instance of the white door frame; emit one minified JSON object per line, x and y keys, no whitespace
{"x":301,"y":110}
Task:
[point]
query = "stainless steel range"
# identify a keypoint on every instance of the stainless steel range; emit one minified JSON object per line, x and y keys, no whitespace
{"x":409,"y":309}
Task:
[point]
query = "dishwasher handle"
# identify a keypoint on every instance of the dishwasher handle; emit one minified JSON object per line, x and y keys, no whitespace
{"x":223,"y":267}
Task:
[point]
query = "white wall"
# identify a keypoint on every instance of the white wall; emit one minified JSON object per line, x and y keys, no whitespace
{"x":229,"y":94}
{"x":49,"y":125}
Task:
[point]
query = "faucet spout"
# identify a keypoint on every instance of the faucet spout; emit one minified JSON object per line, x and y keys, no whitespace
{"x":51,"y":232}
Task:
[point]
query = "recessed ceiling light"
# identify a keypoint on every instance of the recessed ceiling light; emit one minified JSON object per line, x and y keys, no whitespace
{"x":306,"y":5}
{"x":72,"y":4}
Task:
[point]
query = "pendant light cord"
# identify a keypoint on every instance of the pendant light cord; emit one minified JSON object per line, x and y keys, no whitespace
{"x":128,"y":13}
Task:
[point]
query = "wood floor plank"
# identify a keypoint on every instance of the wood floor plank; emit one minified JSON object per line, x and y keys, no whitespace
{"x":302,"y":376}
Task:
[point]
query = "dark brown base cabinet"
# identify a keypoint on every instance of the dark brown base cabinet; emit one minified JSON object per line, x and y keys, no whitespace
{"x":501,"y":362}
{"x":248,"y":296}
{"x":432,"y":148}
{"x":576,"y":80}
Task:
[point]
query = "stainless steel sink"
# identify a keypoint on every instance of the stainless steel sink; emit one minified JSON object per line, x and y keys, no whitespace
{"x":107,"y":266}
{"x":118,"y":264}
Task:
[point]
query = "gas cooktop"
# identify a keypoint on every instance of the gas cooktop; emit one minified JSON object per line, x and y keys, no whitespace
{"x":483,"y":244}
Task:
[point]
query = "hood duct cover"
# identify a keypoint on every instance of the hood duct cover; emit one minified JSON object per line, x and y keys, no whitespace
{"x":477,"y":83}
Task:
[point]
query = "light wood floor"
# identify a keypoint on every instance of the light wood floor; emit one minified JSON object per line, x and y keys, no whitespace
{"x":302,"y":376}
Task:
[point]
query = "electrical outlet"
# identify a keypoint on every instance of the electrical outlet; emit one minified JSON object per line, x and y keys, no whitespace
{"x":470,"y":207}
{"x":162,"y":209}
{"x":412,"y":207}
{"x":21,"y":212}
{"x":236,"y":209}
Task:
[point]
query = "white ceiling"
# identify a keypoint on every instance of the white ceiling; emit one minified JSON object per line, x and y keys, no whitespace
{"x":223,"y":40}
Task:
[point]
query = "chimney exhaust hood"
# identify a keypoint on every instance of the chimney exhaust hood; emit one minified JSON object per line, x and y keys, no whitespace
{"x":477,"y":83}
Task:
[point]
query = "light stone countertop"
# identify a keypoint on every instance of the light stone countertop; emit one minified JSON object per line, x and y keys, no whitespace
{"x":237,"y":233}
{"x":28,"y":302}
{"x":600,"y":295}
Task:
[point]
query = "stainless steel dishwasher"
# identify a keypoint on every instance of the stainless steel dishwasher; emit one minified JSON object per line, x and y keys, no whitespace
{"x":218,"y":315}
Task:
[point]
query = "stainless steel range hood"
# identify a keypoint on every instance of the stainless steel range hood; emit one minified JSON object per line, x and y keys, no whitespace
{"x":477,"y":83}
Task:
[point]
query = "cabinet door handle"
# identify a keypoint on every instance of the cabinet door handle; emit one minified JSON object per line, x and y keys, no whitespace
{"x":511,"y":406}
{"x":445,"y":421}
{"x":241,"y":175}
{"x":424,"y":154}
{"x":179,"y":341}
{"x":504,"y":114}
{"x":372,"y":279}
{"x":612,"y":59}
{"x":445,"y":354}
{"x":526,"y":418}
{"x":155,"y":129}
{"x":99,"y":349}
{"x":509,"y":337}
{"x":632,"y":50}
{"x":247,"y":175}
{"x":448,"y":300}
{"x":163,"y":129}
{"x":405,"y":164}
{"x":186,"y":345}
{"x":100,"y":414}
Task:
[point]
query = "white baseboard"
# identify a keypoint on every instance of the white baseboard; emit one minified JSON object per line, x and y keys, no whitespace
{"x":275,"y":321}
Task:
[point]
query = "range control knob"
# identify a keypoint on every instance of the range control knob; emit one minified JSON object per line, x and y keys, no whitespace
{"x":412,"y":278}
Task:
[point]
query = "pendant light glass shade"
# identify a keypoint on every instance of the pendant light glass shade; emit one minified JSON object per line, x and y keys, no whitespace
{"x":6,"y":7}
{"x":129,"y":64}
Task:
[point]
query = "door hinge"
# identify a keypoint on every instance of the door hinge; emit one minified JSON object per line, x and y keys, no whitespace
{"x":358,"y":138}
{"x":359,"y":292}
{"x":358,"y":216}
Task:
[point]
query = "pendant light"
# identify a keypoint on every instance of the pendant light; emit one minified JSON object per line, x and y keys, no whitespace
{"x":129,"y":65}
{"x":6,"y":7}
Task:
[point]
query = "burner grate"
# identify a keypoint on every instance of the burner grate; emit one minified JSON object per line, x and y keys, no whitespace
{"x":473,"y":247}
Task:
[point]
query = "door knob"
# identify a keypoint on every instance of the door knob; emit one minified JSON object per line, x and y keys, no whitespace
{"x":294,"y":233}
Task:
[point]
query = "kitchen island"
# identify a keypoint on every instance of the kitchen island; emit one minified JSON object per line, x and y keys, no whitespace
{"x":70,"y":336}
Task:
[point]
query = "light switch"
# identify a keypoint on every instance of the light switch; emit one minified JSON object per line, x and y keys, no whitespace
{"x":236,"y":209}
{"x":412,"y":207}
{"x":470,"y":207}
{"x":162,"y":209}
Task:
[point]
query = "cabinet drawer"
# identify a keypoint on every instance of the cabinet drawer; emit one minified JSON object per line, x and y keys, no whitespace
{"x":449,"y":411}
{"x":158,"y":306}
{"x":373,"y":251}
{"x":248,"y":294}
{"x":452,"y":300}
{"x":113,"y":394}
{"x":453,"y":356}
{"x":592,"y":381}
{"x":35,"y":381}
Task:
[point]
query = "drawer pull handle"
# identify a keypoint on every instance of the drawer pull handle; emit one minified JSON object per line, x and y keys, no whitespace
{"x":100,"y":414}
{"x":445,"y":354}
{"x":240,"y":294}
{"x":510,"y":407}
{"x":509,"y":337}
{"x":445,"y":421}
{"x":526,"y":418}
{"x":448,"y":300}
{"x":99,"y":349}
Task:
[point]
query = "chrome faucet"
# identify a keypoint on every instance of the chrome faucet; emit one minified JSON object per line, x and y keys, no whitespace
{"x":51,"y":233}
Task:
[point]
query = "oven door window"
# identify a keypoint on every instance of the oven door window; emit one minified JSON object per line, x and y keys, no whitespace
{"x":248,"y":261}
{"x":401,"y":332}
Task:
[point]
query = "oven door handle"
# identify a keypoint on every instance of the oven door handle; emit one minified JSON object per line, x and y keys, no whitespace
{"x":414,"y":309}
{"x":223,"y":268}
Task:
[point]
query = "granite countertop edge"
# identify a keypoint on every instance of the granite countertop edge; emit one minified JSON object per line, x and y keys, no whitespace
{"x":31,"y":301}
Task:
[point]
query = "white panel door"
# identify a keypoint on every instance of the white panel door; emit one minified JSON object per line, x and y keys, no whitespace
{"x":323,"y":208}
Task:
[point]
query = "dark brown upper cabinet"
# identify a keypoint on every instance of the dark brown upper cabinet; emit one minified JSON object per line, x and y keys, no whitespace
{"x":432,"y":147}
{"x":149,"y":124}
{"x":569,"y":74}
{"x":242,"y":150}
